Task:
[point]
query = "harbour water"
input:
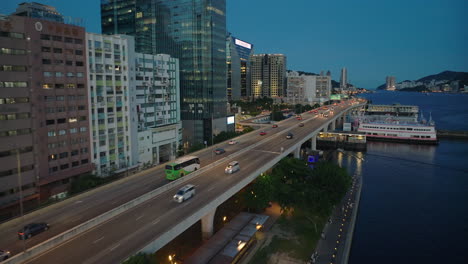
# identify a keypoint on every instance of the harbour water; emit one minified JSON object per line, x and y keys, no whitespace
{"x":414,"y":198}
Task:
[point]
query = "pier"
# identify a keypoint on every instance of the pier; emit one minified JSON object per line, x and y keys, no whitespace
{"x":452,"y":134}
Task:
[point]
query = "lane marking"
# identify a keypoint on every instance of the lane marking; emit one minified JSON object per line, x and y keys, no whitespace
{"x":138,"y":218}
{"x":77,"y":202}
{"x":114,"y":247}
{"x":97,"y":240}
{"x":210,"y":189}
{"x":155,"y":221}
{"x":266,"y":151}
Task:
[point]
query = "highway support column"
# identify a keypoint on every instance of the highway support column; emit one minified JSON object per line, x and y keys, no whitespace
{"x":297,"y":153}
{"x":207,"y":224}
{"x":333,"y":125}
{"x":314,"y":142}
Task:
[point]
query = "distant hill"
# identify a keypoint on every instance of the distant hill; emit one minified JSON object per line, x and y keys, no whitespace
{"x":447,"y":75}
{"x":431,"y":82}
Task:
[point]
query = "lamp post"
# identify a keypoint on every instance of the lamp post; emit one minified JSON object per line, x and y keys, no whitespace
{"x":20,"y":186}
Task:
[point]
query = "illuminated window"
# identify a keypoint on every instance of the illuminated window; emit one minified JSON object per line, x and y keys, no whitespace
{"x":47,"y":86}
{"x":72,"y":119}
{"x":139,"y":14}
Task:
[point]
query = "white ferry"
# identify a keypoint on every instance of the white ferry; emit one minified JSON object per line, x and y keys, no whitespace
{"x":414,"y":133}
{"x":397,"y":123}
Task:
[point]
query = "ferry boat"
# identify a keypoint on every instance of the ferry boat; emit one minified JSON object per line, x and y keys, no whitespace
{"x":390,"y":126}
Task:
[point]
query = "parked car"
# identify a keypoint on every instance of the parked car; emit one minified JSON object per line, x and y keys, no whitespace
{"x":4,"y":255}
{"x":289,"y":135}
{"x":184,"y":193}
{"x":232,"y":142}
{"x":232,"y":167}
{"x":219,"y":151}
{"x":263,"y":133}
{"x":301,"y":124}
{"x":32,"y":229}
{"x":274,"y":126}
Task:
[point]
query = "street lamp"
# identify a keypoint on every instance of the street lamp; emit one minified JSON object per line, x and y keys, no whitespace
{"x":20,"y":186}
{"x":171,"y":258}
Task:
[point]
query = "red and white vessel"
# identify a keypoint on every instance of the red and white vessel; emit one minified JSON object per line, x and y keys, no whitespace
{"x":389,"y":126}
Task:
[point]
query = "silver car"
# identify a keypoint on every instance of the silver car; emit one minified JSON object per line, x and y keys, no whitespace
{"x":232,"y":167}
{"x":184,"y":193}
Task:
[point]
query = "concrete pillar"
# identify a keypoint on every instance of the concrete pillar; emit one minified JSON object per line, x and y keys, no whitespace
{"x":325,"y":129}
{"x":333,"y":125}
{"x":314,"y":142}
{"x":207,"y":225}
{"x":297,"y":153}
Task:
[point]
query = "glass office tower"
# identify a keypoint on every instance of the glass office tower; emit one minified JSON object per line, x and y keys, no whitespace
{"x":194,"y":31}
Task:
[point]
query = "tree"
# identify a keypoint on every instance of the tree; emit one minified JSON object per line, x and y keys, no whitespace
{"x":180,"y":151}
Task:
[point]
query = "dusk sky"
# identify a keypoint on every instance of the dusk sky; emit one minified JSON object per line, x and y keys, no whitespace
{"x":372,"y":39}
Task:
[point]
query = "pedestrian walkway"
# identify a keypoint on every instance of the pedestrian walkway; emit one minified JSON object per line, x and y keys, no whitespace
{"x":334,"y":245}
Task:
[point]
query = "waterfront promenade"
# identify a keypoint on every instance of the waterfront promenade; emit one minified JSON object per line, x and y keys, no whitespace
{"x":335,"y":244}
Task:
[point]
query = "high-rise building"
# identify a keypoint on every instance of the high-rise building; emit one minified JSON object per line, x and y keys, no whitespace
{"x":113,"y":115}
{"x":135,"y":104}
{"x":238,"y":54}
{"x":40,"y":11}
{"x":344,"y":79}
{"x":193,"y":31}
{"x":268,"y":75}
{"x":43,"y":108}
{"x":307,"y":89}
{"x":390,"y":83}
{"x":157,"y":105}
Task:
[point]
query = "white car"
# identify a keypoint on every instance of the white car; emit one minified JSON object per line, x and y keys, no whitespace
{"x":184,"y":193}
{"x":232,"y":167}
{"x":232,"y":142}
{"x":4,"y":255}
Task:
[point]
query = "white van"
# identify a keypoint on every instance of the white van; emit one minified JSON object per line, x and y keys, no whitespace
{"x":184,"y":193}
{"x":232,"y":167}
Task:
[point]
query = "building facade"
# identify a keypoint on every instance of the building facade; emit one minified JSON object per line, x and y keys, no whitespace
{"x":194,"y":32}
{"x":344,"y":78}
{"x":157,"y":104}
{"x":390,"y":83}
{"x":40,"y":11}
{"x":113,"y":116}
{"x":307,"y":89}
{"x":238,"y":54}
{"x":268,"y":75}
{"x":44,"y":108}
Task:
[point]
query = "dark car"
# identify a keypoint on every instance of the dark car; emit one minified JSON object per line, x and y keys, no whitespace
{"x":263,"y":133}
{"x":219,"y":151}
{"x":4,"y":255}
{"x":289,"y":135}
{"x":301,"y":124}
{"x":32,"y":229}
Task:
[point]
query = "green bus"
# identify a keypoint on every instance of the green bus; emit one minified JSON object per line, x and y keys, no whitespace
{"x":182,"y":167}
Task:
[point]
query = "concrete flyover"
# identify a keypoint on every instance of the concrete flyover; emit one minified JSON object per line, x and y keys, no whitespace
{"x":149,"y":221}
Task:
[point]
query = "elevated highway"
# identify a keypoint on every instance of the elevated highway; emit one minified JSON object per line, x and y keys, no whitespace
{"x":149,"y":225}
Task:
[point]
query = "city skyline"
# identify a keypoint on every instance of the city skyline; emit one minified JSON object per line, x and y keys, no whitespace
{"x":384,"y":38}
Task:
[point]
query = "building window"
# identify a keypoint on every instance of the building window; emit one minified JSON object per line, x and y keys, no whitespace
{"x":8,"y":51}
{"x":51,"y":133}
{"x":57,"y":50}
{"x":62,"y":132}
{"x":47,"y":86}
{"x":83,"y":129}
{"x":75,"y":163}
{"x":64,"y":167}
{"x":50,"y":122}
{"x":73,"y":130}
{"x":58,"y":74}
{"x":79,"y":63}
{"x":57,"y":38}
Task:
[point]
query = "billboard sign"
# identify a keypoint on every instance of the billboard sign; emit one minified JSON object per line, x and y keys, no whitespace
{"x":230,"y":120}
{"x":243,"y":43}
